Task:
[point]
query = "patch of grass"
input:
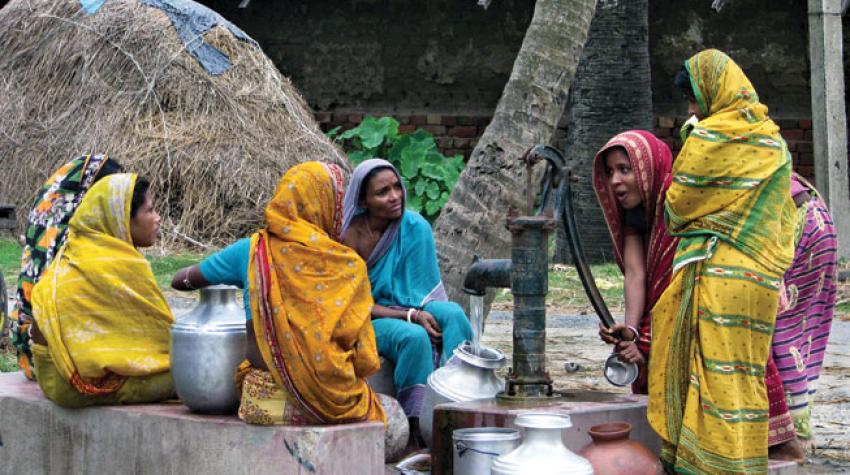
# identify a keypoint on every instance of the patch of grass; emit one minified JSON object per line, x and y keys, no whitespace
{"x":8,"y":362}
{"x":10,"y":259}
{"x":567,"y":293}
{"x":164,"y":267}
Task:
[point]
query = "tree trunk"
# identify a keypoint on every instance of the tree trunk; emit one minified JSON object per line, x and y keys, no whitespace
{"x":473,"y":220}
{"x":612,"y":92}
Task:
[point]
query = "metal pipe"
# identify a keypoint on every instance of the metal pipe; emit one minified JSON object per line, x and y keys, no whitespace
{"x":487,"y":273}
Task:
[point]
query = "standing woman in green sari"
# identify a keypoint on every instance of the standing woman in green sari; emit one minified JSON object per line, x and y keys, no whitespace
{"x":730,"y":205}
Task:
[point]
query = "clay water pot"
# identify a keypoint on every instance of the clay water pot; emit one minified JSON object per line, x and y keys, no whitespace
{"x":613,"y":453}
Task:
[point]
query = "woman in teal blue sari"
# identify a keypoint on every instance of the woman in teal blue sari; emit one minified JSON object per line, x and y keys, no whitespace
{"x":416,"y":327}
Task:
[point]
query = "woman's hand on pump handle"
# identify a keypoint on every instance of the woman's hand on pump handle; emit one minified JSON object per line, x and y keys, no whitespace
{"x":624,"y":338}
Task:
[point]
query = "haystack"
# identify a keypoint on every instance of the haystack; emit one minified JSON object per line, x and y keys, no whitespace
{"x":213,"y":137}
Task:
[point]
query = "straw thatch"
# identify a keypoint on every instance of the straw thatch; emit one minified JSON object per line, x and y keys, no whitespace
{"x":121,"y":82}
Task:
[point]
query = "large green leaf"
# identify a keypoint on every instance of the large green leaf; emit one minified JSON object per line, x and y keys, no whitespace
{"x":432,"y":207}
{"x":412,"y":157}
{"x":373,"y":132}
{"x":414,"y":203}
{"x":432,"y":190}
{"x":394,"y":154}
{"x":358,"y":156}
{"x":420,"y":186}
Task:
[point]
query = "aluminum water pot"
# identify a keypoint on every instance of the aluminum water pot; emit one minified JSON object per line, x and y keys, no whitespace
{"x":542,"y":451}
{"x":207,"y":345}
{"x":465,"y":377}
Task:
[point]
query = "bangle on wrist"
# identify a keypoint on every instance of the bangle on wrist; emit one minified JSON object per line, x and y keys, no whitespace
{"x":634,"y":330}
{"x":186,"y":281}
{"x":410,"y":313}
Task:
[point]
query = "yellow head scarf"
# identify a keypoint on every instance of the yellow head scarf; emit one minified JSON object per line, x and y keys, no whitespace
{"x":98,"y":304}
{"x":311,"y":299}
{"x":732,"y":178}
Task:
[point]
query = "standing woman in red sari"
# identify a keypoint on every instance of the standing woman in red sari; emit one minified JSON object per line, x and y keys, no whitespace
{"x":631,"y":174}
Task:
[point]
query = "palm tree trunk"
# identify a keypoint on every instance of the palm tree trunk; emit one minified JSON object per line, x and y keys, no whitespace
{"x":473,"y":220}
{"x":612,"y":92}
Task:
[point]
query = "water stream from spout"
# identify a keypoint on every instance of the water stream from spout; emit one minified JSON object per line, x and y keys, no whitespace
{"x":476,"y":309}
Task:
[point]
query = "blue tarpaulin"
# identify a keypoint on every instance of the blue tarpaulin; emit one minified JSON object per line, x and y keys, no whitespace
{"x":191,"y":20}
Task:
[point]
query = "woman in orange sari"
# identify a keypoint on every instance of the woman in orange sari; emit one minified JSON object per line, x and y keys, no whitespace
{"x":310,"y":338}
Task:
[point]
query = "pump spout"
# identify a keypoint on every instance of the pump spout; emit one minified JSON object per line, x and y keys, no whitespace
{"x":487,"y":273}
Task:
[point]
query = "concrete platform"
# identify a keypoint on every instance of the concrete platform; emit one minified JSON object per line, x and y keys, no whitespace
{"x":38,"y":437}
{"x":585,"y":408}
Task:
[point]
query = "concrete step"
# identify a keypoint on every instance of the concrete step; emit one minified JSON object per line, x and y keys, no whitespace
{"x":38,"y":437}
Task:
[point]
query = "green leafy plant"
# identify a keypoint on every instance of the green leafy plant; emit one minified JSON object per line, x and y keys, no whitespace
{"x":428,"y":175}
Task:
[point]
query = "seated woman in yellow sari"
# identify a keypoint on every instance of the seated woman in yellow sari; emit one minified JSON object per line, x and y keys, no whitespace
{"x":101,"y":322}
{"x":308,"y":302}
{"x":730,"y":205}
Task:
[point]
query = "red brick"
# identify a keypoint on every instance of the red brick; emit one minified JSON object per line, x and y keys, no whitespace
{"x":474,"y":143}
{"x":808,"y":171}
{"x":807,"y":159}
{"x":666,"y":122}
{"x":805,"y":124}
{"x":663,"y":132}
{"x":355,"y":118}
{"x":435,"y":129}
{"x":807,"y":135}
{"x":482,"y":121}
{"x":792,"y":145}
{"x":323,"y":117}
{"x":449,"y":120}
{"x":461,"y":143}
{"x":434,"y":119}
{"x":807,"y":147}
{"x":406,"y":129}
{"x":793,"y":134}
{"x":465,"y":120}
{"x":467,"y":131}
{"x":403,"y":119}
{"x":418,"y":120}
{"x":786,"y":123}
{"x":340,"y":118}
{"x":444,"y":142}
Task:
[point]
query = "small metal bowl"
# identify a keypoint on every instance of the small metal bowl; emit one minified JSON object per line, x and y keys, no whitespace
{"x":618,"y":372}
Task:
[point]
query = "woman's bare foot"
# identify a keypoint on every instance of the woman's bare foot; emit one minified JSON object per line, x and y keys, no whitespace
{"x":808,"y":444}
{"x":791,"y":450}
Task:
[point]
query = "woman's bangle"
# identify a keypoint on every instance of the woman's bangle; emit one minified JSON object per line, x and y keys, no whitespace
{"x":634,"y":330}
{"x":410,"y":313}
{"x":186,"y":281}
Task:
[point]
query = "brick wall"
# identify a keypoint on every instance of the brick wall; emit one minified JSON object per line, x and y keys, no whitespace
{"x":458,"y":134}
{"x":454,"y":134}
{"x":797,"y":133}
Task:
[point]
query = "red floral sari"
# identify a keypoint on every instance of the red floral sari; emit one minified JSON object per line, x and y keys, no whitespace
{"x":651,"y":161}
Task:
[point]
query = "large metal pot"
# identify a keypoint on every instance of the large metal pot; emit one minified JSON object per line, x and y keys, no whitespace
{"x":542,"y":451}
{"x":476,"y":448}
{"x":207,"y":345}
{"x":465,"y":377}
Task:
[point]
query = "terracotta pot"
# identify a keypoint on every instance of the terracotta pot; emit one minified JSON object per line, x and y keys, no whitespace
{"x":613,"y":453}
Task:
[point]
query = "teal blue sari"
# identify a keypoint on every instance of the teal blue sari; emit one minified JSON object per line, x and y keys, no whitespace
{"x":404,"y":273}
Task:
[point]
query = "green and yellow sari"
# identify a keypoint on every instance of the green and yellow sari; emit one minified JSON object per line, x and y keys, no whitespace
{"x":731,"y":207}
